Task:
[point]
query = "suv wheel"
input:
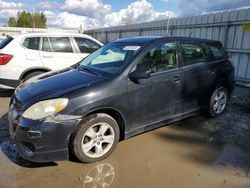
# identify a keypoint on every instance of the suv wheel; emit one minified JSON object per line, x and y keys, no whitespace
{"x":95,"y":138}
{"x":218,"y":102}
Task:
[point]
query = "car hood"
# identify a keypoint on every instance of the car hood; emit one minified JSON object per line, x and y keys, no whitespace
{"x":54,"y":84}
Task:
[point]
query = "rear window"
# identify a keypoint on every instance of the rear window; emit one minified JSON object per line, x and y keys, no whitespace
{"x":5,"y":42}
{"x":193,"y":53}
{"x":32,"y":43}
{"x":217,"y":50}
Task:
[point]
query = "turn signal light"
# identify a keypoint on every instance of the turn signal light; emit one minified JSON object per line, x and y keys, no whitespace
{"x":5,"y":58}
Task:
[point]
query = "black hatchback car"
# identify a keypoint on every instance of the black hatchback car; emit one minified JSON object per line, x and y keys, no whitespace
{"x":125,"y":88}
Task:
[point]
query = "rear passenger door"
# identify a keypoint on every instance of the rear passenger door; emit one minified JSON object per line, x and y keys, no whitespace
{"x":198,"y":74}
{"x":31,"y":52}
{"x":58,"y":53}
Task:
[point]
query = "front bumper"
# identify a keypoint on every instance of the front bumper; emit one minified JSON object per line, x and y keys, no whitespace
{"x":41,"y":141}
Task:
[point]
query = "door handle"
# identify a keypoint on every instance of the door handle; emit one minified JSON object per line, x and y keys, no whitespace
{"x":47,"y":56}
{"x":212,"y":70}
{"x":176,"y":78}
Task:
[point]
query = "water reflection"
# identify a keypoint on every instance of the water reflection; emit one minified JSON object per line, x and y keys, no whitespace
{"x":99,"y":176}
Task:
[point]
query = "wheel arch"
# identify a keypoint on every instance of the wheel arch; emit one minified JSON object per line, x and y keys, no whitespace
{"x":33,"y":69}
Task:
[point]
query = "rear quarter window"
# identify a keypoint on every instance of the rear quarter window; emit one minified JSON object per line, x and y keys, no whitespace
{"x":217,"y":50}
{"x":5,"y":42}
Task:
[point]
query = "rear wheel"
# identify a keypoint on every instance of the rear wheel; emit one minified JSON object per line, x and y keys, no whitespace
{"x":95,"y":138}
{"x":218,"y":102}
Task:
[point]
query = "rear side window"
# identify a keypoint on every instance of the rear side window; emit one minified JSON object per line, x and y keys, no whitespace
{"x":5,"y":42}
{"x":86,"y":45}
{"x":193,"y":53}
{"x":57,"y":44}
{"x":217,"y":50}
{"x":31,"y":43}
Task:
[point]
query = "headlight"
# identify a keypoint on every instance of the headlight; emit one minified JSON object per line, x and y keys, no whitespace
{"x":45,"y":108}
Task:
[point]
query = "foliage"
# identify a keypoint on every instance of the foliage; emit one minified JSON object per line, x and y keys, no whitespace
{"x":27,"y":19}
{"x":12,"y":22}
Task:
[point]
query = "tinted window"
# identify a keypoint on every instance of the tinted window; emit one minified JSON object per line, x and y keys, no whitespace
{"x":86,"y":45}
{"x":5,"y":42}
{"x":217,"y":50}
{"x":160,"y":58}
{"x":32,"y":43}
{"x":57,"y":44}
{"x":46,"y":45}
{"x":193,"y":53}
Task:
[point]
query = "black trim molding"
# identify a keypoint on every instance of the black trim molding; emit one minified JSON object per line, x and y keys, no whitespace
{"x":10,"y":83}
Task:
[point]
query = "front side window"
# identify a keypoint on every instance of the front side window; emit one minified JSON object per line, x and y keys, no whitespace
{"x":31,"y":43}
{"x":159,"y":58}
{"x":57,"y":44}
{"x":110,"y":58}
{"x":193,"y":53}
{"x":217,"y":50}
{"x":86,"y":45}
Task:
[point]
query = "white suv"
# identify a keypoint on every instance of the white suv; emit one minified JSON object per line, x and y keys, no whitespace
{"x":27,"y":55}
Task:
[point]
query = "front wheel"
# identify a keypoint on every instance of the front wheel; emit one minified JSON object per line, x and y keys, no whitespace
{"x":218,"y":102}
{"x":95,"y":138}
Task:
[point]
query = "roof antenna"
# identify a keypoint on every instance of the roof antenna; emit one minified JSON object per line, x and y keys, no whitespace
{"x":190,"y":34}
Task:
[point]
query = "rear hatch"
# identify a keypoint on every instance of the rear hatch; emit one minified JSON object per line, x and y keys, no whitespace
{"x":5,"y":58}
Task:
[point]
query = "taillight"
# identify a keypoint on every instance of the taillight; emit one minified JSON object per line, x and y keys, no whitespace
{"x":5,"y":58}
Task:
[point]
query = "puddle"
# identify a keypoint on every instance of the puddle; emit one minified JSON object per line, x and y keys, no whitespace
{"x":99,"y":176}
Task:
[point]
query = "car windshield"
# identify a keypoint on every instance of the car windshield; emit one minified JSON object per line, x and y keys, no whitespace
{"x":111,"y":58}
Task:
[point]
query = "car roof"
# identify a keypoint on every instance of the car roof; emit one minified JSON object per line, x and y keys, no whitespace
{"x":54,"y":34}
{"x":51,"y":34}
{"x":146,"y":39}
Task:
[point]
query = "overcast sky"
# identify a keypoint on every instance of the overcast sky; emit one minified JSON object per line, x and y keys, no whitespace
{"x":99,"y":13}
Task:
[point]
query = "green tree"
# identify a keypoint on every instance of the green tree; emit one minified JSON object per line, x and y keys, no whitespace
{"x":12,"y":22}
{"x":24,"y":19}
{"x":34,"y":20}
{"x":39,"y":20}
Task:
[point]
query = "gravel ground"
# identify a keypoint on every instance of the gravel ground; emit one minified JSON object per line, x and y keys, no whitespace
{"x":230,"y":130}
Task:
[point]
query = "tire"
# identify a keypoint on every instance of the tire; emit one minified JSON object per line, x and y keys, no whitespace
{"x":218,"y":102}
{"x":95,"y":138}
{"x":30,"y":75}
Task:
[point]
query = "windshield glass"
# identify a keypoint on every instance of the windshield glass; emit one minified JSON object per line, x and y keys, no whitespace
{"x":111,"y":58}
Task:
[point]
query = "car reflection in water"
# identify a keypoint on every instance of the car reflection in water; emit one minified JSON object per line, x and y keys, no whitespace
{"x":99,"y":176}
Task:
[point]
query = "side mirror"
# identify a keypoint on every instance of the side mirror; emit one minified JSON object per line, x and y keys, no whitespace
{"x":140,"y":73}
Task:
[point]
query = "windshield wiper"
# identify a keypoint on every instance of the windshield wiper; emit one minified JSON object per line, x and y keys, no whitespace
{"x":85,"y":68}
